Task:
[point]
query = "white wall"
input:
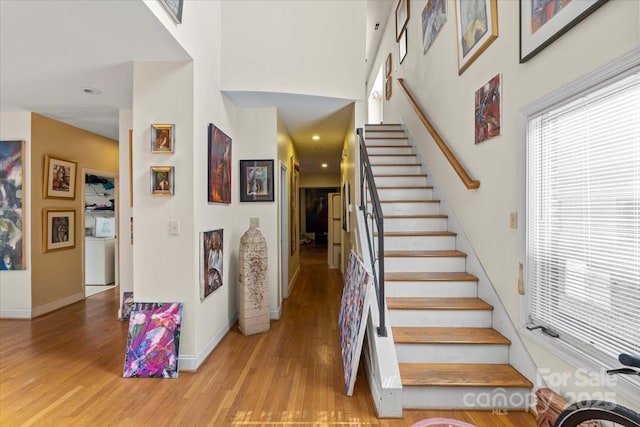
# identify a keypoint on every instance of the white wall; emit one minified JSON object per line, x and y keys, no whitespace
{"x":125,"y":211}
{"x":309,"y":47}
{"x":319,"y":180}
{"x":15,"y":285}
{"x":449,"y":101}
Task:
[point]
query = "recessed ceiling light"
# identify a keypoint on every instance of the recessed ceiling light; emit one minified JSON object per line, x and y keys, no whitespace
{"x":91,"y":91}
{"x":316,"y":137}
{"x":324,"y":165}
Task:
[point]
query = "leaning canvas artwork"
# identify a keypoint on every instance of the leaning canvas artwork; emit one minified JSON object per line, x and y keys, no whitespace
{"x":487,"y":110}
{"x":211,"y":261}
{"x":153,"y":341}
{"x":11,"y":221}
{"x":352,"y":320}
{"x":219,"y":166}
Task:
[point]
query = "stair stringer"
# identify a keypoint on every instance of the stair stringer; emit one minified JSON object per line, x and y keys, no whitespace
{"x":519,"y":356}
{"x":381,"y":362}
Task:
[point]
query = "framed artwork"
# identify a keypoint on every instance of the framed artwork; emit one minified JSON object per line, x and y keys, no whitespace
{"x":402,"y":46}
{"x":153,"y":340}
{"x":12,"y":241}
{"x":388,"y":84}
{"x":387,"y":66}
{"x":162,"y":180}
{"x":59,"y":178}
{"x":346,"y":201}
{"x":488,"y":110}
{"x":130,"y":168}
{"x":58,"y":229}
{"x":402,"y":17}
{"x":434,"y":16}
{"x":256,"y":181}
{"x":544,"y":21}
{"x":162,"y":138}
{"x":127,"y":304}
{"x":219,"y":166}
{"x":211,"y":259}
{"x":352,"y":319}
{"x":476,"y":29}
{"x":174,"y":9}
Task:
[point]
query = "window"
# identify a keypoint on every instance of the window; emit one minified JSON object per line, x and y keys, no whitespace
{"x":583,"y":217}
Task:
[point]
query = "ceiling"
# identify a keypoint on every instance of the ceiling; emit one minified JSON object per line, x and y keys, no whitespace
{"x":52,"y":52}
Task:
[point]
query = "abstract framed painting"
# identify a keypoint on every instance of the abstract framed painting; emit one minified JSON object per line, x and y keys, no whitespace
{"x":153,"y":341}
{"x":256,"y":181}
{"x":488,"y":112}
{"x":58,"y":229}
{"x":211,"y":265}
{"x":59,"y":178}
{"x":434,"y":16}
{"x":476,"y":29}
{"x":12,"y":241}
{"x":543,"y":21}
{"x":219,"y":166}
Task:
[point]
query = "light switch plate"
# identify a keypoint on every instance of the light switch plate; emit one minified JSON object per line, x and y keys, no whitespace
{"x":254,"y":222}
{"x":174,"y":227}
{"x":513,"y":220}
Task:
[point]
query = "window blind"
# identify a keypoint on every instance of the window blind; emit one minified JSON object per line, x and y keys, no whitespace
{"x":583,"y":219}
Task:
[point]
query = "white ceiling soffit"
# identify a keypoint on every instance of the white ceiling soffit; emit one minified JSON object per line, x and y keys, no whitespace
{"x":51,"y":50}
{"x":305,"y":116}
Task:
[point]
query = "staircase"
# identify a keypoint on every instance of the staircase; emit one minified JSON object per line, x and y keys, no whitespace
{"x":449,"y":355}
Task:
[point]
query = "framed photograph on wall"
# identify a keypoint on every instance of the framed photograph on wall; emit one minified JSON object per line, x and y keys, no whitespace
{"x":488,"y":114}
{"x":387,"y":66}
{"x":12,"y":176}
{"x":211,"y":256}
{"x":163,"y":138}
{"x":402,"y":17}
{"x":434,"y":16}
{"x":58,"y":229}
{"x":219,"y":166}
{"x":543,"y":22}
{"x":174,"y":9}
{"x":402,"y":46}
{"x":162,"y":180}
{"x":59,"y":178}
{"x":388,"y":84}
{"x":256,"y":181}
{"x":476,"y":29}
{"x":345,"y":206}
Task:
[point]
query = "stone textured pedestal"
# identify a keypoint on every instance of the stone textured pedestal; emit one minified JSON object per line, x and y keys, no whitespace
{"x":253,"y":286}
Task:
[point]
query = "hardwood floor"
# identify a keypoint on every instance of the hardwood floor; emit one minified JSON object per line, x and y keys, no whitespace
{"x":65,"y":368}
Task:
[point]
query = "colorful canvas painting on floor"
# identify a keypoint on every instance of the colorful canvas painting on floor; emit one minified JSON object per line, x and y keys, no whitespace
{"x":154,"y":340}
{"x":352,"y":320}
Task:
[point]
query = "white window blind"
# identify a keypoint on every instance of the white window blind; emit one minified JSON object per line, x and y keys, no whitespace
{"x":583,"y":219}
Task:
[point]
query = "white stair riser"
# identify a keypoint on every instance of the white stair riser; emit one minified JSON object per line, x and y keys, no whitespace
{"x":400,"y":181}
{"x":384,"y":132}
{"x":405,"y":194}
{"x":402,"y":208}
{"x":452,"y":353}
{"x":415,"y":224}
{"x":381,"y":140}
{"x":390,"y":151}
{"x":431,"y":289}
{"x":465,"y":398}
{"x":385,"y":160}
{"x":441,"y":318}
{"x":394,"y":170}
{"x":416,"y":264}
{"x":408,"y":243}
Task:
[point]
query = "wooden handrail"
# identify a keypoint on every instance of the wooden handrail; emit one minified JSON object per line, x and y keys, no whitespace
{"x":471,"y":184}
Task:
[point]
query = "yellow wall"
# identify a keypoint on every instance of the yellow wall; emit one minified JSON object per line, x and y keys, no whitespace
{"x":57,"y":277}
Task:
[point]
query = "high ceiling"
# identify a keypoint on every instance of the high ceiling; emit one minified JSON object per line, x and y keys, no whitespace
{"x":52,"y":51}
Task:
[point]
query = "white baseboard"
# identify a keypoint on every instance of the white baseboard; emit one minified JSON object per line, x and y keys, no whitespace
{"x":63,"y":302}
{"x":24,"y":313}
{"x":190,"y":362}
{"x":276,"y":314}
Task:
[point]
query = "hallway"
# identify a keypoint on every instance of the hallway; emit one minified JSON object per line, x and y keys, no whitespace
{"x":65,"y":368}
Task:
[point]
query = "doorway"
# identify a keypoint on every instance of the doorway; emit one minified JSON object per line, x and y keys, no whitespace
{"x":376,"y":99}
{"x":284,"y":232}
{"x":100,"y":221}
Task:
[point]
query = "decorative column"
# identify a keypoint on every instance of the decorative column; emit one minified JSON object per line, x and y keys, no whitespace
{"x":253,"y":288}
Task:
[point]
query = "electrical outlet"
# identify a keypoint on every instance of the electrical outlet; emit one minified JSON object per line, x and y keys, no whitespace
{"x":254,"y":222}
{"x":513,"y":220}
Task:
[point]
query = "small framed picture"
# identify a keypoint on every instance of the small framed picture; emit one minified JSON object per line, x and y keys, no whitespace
{"x":402,"y":46}
{"x":162,"y":180}
{"x":402,"y":17}
{"x":162,"y":138}
{"x":174,"y":9}
{"x":59,"y":178}
{"x":256,"y":181}
{"x":387,"y":88}
{"x":387,"y":66}
{"x":58,"y":229}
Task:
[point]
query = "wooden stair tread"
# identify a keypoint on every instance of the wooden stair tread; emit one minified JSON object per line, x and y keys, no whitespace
{"x":411,"y":187}
{"x":381,"y":124}
{"x":415,"y":216}
{"x":461,"y":375}
{"x":408,"y":201}
{"x":392,"y":155}
{"x":420,"y":335}
{"x":396,"y":164}
{"x":425,"y":254}
{"x":417,"y":233}
{"x":395,"y":175}
{"x":388,"y":146}
{"x":429,"y":277}
{"x":428,"y":303}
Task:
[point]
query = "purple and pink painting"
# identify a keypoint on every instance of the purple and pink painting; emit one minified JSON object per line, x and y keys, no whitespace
{"x":487,"y":110}
{"x":153,"y":342}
